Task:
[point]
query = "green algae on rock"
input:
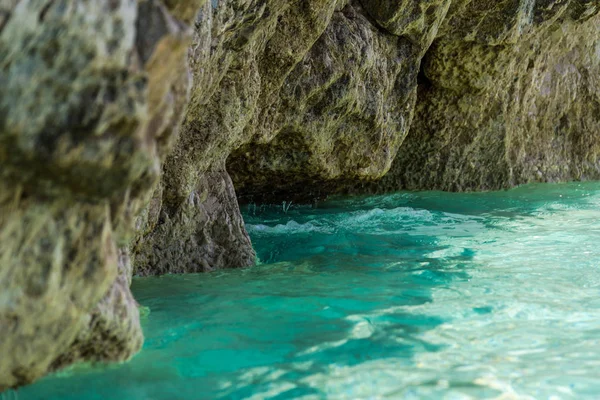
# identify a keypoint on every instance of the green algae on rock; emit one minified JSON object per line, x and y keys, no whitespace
{"x":506,"y":106}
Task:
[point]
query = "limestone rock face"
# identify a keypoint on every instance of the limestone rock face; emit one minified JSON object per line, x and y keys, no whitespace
{"x":57,"y":263}
{"x":417,"y":20}
{"x":207,"y":233}
{"x":509,"y":96}
{"x":85,"y":117}
{"x":121,"y":122}
{"x":241,"y":53}
{"x":342,"y":113}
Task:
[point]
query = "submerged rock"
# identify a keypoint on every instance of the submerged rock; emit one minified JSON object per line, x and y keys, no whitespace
{"x":120,"y":126}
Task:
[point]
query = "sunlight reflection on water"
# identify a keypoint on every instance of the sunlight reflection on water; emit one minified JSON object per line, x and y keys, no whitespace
{"x":412,"y":295}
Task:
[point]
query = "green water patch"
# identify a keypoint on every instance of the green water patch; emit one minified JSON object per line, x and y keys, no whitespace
{"x":409,"y":295}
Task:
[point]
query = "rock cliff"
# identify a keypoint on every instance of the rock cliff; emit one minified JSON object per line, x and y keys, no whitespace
{"x":121,"y":122}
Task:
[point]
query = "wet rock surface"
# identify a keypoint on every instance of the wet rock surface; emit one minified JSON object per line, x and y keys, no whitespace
{"x":126,"y":129}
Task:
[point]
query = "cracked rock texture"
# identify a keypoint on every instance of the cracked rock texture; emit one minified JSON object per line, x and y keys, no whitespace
{"x":507,"y":103}
{"x":484,"y":95}
{"x":125,"y":126}
{"x":85,"y":118}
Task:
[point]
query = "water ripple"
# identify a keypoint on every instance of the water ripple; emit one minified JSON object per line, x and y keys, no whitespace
{"x":407,"y":296}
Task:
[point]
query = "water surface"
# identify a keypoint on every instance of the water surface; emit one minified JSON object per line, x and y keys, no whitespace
{"x":407,"y":296}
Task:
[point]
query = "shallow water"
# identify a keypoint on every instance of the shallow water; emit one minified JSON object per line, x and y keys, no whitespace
{"x":407,"y":296}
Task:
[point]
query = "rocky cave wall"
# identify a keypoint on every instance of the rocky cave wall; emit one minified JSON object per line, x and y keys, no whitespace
{"x":91,"y":97}
{"x":505,"y":92}
{"x":121,"y":122}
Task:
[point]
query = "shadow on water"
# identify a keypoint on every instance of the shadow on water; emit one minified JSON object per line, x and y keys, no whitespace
{"x":340,"y":286}
{"x":236,"y":334}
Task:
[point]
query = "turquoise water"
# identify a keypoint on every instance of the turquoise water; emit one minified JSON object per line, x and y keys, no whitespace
{"x":407,"y":296}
